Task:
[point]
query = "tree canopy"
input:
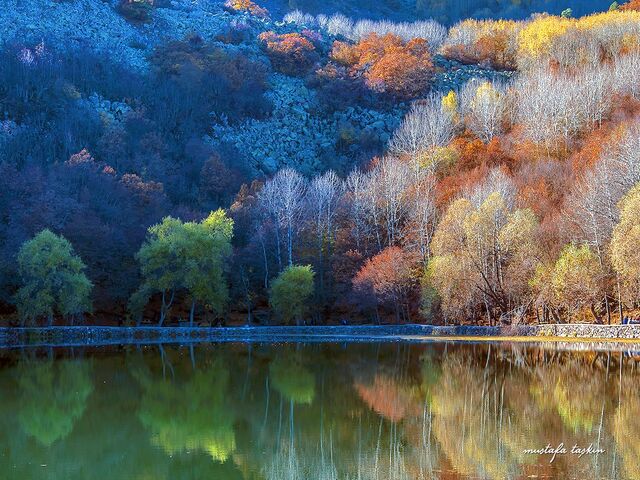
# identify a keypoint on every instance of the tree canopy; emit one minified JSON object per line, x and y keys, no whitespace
{"x":291,"y":292}
{"x":53,"y":279}
{"x":186,"y":257}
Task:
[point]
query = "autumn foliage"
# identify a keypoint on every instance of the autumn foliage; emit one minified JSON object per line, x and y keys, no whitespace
{"x":559,"y":40}
{"x":631,"y":5}
{"x":247,"y":6}
{"x":388,"y":277}
{"x":290,"y":53}
{"x":498,"y":201}
{"x":387,"y":397}
{"x":387,"y":63}
{"x":487,"y":42}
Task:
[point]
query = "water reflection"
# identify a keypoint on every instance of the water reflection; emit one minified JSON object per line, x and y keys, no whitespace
{"x":281,"y":412}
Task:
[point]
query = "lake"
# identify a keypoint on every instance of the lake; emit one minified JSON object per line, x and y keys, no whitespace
{"x":447,"y":12}
{"x":319,"y":411}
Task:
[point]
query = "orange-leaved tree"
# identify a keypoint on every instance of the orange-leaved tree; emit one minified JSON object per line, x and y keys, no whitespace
{"x":389,"y":278}
{"x":387,"y":63}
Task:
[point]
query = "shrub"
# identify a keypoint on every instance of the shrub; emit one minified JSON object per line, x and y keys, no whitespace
{"x":235,"y":33}
{"x":290,"y":53}
{"x":336,"y":89}
{"x":388,"y":64}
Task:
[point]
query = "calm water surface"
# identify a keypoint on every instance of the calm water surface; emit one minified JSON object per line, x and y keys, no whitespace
{"x":281,"y":412}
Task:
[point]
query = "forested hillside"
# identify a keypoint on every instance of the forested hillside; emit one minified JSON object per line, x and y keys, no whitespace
{"x":169,"y":160}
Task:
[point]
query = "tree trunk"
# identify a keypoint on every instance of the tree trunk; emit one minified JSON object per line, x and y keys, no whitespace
{"x":166,"y":306}
{"x":162,"y":308}
{"x":279,"y":254}
{"x":619,"y":299}
{"x":266,"y":263}
{"x":192,"y":311}
{"x":290,"y":243}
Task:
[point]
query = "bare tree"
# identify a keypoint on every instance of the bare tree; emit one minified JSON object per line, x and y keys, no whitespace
{"x":337,"y":24}
{"x":421,"y":224}
{"x":388,"y":185}
{"x":558,"y":106}
{"x":269,"y":203}
{"x":356,"y":197}
{"x":484,"y":107}
{"x":322,"y":201}
{"x":283,"y":199}
{"x":592,"y":206}
{"x":576,"y":48}
{"x":425,"y":127}
{"x":625,"y":73}
{"x":496,"y":181}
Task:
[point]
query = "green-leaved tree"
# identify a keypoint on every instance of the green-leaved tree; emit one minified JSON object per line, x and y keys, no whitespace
{"x":291,"y":291}
{"x":186,"y":258}
{"x":53,"y":279}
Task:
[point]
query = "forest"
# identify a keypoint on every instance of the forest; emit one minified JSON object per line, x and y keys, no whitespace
{"x":503,"y":200}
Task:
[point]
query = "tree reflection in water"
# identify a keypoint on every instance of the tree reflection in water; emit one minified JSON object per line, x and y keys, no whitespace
{"x":53,"y":395}
{"x":286,"y":412}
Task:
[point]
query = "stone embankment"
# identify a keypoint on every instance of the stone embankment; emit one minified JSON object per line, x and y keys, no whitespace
{"x":94,"y":336}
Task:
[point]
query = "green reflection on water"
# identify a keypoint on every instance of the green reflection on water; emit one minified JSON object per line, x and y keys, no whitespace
{"x":284,"y":412}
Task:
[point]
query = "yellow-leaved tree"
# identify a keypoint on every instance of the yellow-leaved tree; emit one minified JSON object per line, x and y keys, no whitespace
{"x":483,"y":257}
{"x":625,"y":257}
{"x":450,"y":104}
{"x":537,"y":37}
{"x":573,"y":283}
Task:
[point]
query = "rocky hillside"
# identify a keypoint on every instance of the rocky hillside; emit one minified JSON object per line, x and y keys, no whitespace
{"x":298,"y":132}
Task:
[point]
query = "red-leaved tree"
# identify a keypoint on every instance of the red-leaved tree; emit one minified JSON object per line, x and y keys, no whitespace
{"x":388,"y":280}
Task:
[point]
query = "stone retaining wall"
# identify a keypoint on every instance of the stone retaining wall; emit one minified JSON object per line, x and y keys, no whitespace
{"x":67,"y":336}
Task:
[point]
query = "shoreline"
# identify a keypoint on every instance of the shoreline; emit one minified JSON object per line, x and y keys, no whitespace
{"x":67,"y":336}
